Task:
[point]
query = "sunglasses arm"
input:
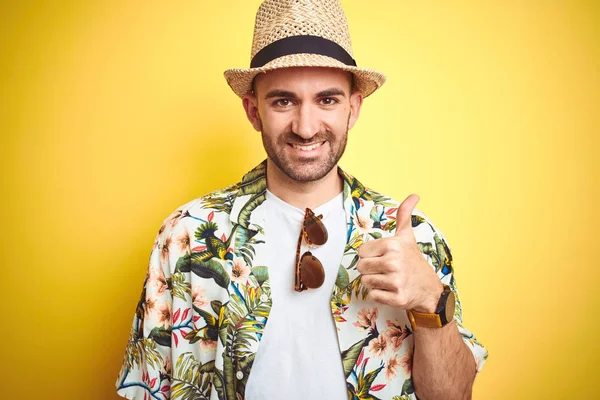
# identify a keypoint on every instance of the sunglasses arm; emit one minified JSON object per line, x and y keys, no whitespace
{"x":298,"y":286}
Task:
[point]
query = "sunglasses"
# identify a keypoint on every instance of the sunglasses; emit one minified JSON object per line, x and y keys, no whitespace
{"x":309,"y":270}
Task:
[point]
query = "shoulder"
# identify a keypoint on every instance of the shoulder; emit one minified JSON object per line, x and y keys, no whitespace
{"x":214,"y":206}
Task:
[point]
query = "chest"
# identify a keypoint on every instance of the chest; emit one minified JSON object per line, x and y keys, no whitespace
{"x":374,"y":342}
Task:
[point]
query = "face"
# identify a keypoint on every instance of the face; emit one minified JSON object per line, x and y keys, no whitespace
{"x":303,"y":114}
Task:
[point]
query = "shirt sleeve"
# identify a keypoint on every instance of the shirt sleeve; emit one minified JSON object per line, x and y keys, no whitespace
{"x":146,"y":369}
{"x":440,"y":257}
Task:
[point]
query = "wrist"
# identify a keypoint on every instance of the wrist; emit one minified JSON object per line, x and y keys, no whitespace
{"x":431,"y":301}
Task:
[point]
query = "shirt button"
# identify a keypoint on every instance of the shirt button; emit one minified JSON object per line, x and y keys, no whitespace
{"x":264,"y":298}
{"x":239,"y":374}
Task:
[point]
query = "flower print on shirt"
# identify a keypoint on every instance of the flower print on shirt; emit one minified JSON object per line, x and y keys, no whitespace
{"x":164,"y":250}
{"x":163,"y":315}
{"x":362,"y":219}
{"x":391,"y":367}
{"x":157,"y":280}
{"x":366,"y":318}
{"x":167,"y":366}
{"x":406,"y":361}
{"x":150,"y":305}
{"x":240,"y":271}
{"x":181,"y":242}
{"x":395,"y":334}
{"x":207,"y":345}
{"x":173,"y":219}
{"x":378,"y":346}
{"x":198,"y":299}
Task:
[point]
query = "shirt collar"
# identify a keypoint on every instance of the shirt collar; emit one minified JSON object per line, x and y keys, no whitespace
{"x":248,"y":208}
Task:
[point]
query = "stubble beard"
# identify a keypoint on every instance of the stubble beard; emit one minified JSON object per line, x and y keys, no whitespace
{"x":308,"y":169}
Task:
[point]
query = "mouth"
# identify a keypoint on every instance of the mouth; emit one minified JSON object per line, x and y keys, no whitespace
{"x":307,"y":147}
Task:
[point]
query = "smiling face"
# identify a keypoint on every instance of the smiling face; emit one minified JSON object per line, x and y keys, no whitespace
{"x":304,"y":114}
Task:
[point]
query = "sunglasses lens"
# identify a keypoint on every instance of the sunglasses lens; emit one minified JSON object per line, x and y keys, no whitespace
{"x":315,"y":230}
{"x":312,"y":273}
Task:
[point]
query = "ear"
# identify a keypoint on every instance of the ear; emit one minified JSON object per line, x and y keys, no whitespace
{"x":250,"y":104}
{"x":356,"y":100}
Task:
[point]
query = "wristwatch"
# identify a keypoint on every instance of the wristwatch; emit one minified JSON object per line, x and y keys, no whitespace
{"x":444,"y":312}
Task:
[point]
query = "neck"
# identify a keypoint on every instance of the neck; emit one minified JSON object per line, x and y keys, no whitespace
{"x":303,"y":194}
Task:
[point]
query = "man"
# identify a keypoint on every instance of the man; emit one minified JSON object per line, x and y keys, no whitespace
{"x":299,"y":282}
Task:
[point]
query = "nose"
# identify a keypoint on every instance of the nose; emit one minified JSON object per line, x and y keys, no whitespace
{"x":304,"y":123}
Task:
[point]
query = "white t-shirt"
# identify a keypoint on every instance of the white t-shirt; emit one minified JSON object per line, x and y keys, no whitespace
{"x":299,"y":357}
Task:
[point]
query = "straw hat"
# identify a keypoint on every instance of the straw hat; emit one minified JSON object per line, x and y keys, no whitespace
{"x":301,"y":33}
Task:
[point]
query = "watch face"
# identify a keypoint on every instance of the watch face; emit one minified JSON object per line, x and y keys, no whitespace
{"x":450,"y":306}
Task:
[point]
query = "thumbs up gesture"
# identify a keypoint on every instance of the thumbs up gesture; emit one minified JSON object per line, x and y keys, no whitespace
{"x":394,"y":269}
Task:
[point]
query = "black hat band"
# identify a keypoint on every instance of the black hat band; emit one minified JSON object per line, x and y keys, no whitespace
{"x":301,"y":44}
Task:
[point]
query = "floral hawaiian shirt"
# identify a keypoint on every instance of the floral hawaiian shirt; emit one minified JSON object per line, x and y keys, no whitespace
{"x":206,"y":300}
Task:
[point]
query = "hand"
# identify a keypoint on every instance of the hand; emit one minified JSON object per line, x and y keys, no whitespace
{"x":394,"y":269}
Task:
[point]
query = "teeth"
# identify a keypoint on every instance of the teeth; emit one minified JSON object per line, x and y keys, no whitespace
{"x":306,"y":148}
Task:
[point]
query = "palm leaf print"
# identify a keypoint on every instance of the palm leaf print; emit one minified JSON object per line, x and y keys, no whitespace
{"x":254,"y":181}
{"x":350,"y":356}
{"x":241,"y":324}
{"x":428,"y":250}
{"x":181,"y":286}
{"x":191,"y":378}
{"x":244,"y":242}
{"x":357,"y":288}
{"x":211,"y":269}
{"x":251,"y":204}
{"x":407,"y":388}
{"x":220,"y":200}
{"x":342,"y":279}
{"x":261,"y":273}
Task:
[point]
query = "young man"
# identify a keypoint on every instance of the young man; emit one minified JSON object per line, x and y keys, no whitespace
{"x":299,"y":282}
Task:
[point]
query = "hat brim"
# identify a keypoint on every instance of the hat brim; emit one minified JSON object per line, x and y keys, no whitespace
{"x":366,"y":80}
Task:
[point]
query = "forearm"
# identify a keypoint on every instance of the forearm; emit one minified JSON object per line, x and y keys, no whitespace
{"x":443,"y":366}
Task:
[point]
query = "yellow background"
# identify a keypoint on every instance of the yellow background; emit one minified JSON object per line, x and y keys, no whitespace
{"x":113,"y":113}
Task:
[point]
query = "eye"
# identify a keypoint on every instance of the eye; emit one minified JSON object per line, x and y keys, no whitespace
{"x":282,"y":102}
{"x":329,"y":101}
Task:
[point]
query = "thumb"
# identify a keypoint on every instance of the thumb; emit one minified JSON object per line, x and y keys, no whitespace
{"x":404,"y":215}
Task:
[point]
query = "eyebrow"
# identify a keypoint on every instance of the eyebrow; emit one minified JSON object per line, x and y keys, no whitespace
{"x":323,"y":93}
{"x":332,"y":92}
{"x":280,"y":93}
